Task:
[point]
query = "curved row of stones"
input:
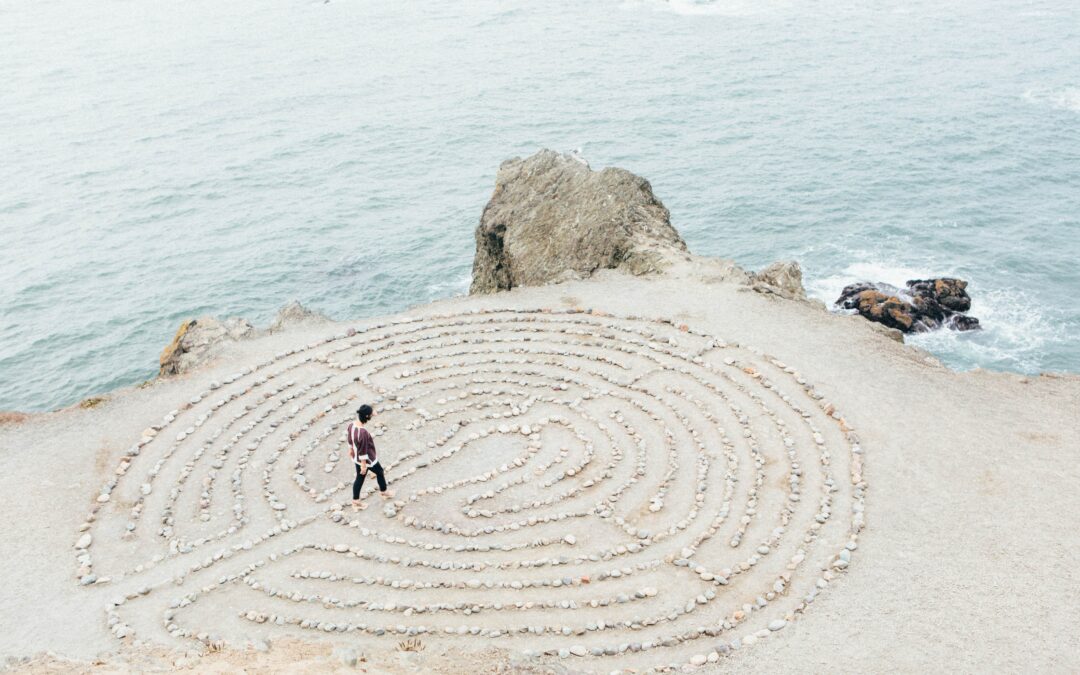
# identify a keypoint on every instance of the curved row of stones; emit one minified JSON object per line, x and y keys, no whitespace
{"x":568,"y":484}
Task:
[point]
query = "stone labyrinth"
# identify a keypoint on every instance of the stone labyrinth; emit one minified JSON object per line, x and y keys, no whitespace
{"x":616,"y":491}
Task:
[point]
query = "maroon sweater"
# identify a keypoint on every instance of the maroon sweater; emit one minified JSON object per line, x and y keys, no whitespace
{"x":361,"y":444}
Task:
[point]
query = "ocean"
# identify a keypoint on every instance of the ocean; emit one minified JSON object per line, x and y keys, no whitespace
{"x":162,"y":160}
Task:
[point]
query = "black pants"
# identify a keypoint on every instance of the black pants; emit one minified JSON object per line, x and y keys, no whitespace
{"x":359,"y":482}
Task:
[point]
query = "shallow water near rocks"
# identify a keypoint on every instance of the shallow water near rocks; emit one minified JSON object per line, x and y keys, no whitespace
{"x":163,"y":161}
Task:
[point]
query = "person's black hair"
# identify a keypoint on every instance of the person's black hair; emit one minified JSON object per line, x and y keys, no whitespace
{"x":364,"y":412}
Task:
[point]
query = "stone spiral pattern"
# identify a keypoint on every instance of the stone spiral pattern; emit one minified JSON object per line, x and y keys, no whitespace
{"x":617,"y":491}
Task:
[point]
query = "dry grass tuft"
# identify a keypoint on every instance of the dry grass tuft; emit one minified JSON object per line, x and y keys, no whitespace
{"x":411,"y":645}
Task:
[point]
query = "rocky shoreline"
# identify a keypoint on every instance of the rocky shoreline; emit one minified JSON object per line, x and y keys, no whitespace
{"x":673,"y":467}
{"x":552,"y":219}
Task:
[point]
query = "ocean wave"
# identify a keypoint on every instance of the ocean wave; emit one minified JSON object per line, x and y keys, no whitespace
{"x":702,"y":7}
{"x":828,"y":288}
{"x":1067,"y":98}
{"x":456,"y":286}
{"x":1016,"y":334}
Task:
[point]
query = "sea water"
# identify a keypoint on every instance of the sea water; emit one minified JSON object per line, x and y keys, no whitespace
{"x":163,"y":160}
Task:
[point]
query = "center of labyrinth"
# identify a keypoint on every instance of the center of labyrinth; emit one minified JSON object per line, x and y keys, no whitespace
{"x":624,"y":490}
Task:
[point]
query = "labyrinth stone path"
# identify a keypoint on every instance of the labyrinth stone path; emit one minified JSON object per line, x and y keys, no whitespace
{"x":613,"y":491}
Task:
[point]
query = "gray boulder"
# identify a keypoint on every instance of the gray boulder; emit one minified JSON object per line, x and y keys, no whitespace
{"x":197,"y":340}
{"x":552,"y":219}
{"x":295,"y":314}
{"x":780,"y":278}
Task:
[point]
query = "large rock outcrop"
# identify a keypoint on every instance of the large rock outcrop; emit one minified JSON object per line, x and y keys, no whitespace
{"x":923,"y":305}
{"x":552,"y":218}
{"x":197,"y":339}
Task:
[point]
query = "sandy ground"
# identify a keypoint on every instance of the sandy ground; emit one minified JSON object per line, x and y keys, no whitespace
{"x":968,"y":560}
{"x":286,"y":656}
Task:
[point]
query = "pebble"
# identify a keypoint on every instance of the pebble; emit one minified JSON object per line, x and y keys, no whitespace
{"x":347,"y":656}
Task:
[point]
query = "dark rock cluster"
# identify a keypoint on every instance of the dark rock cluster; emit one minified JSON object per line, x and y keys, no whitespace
{"x":923,"y":305}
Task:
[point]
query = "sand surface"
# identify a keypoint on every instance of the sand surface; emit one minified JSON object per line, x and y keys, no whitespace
{"x":756,"y":468}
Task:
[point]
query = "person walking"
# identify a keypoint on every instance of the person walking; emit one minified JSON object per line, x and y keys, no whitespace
{"x":364,"y":457}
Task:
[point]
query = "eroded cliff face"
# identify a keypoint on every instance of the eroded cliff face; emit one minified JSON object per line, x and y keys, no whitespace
{"x":552,"y":218}
{"x":199,"y":340}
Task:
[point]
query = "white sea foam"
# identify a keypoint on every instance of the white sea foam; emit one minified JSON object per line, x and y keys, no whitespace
{"x":1067,"y":98}
{"x":457,"y":286}
{"x":700,"y":7}
{"x":1013,"y":338}
{"x":828,"y":288}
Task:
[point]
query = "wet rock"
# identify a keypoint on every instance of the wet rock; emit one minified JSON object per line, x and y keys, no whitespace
{"x":949,"y":293}
{"x":923,"y":305}
{"x":552,"y":218}
{"x":962,"y":322}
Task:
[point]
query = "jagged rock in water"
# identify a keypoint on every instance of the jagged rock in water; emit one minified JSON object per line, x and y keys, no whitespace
{"x":197,"y":340}
{"x":780,"y":278}
{"x":923,"y":305}
{"x":552,"y":218}
{"x":294,"y":314}
{"x":949,"y":293}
